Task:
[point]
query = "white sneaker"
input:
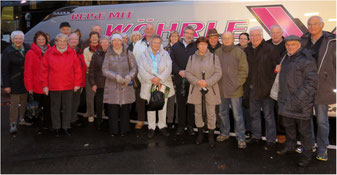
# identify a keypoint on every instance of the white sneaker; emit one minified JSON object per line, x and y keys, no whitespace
{"x":23,"y":122}
{"x":91,"y":119}
{"x":12,"y":128}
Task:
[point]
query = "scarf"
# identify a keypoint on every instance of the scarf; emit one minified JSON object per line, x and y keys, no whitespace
{"x":62,"y":50}
{"x":21,"y":50}
{"x":119,"y":51}
{"x":43,"y":49}
{"x":93,"y":48}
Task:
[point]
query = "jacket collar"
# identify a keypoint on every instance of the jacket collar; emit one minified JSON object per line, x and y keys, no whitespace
{"x":111,"y":50}
{"x":55,"y":51}
{"x":228,"y":48}
{"x":197,"y":53}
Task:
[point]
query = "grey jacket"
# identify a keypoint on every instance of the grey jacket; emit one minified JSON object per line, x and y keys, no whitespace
{"x":114,"y":64}
{"x":326,"y":66}
{"x":146,"y":73}
{"x":211,"y":65}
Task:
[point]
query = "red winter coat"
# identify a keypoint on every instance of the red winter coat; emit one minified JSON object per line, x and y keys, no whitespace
{"x":60,"y":72}
{"x":82,"y":65}
{"x":33,"y":60}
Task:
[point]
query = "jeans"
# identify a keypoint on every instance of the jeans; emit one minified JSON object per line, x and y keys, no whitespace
{"x":239,"y":128}
{"x":323,"y":127}
{"x":267,"y":106}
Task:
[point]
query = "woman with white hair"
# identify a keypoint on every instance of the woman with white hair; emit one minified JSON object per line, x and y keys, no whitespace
{"x":155,"y":67}
{"x":119,"y":68}
{"x":61,"y":76}
{"x":135,"y":36}
{"x":125,"y":38}
{"x":96,"y":77}
{"x":12,"y":69}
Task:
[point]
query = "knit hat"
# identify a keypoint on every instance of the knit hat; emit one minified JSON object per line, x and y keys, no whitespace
{"x":64,"y":24}
{"x":116,"y":35}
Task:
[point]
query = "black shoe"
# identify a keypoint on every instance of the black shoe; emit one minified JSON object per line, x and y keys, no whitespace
{"x":248,"y":134}
{"x":304,"y":162}
{"x":190,"y":131}
{"x":180,"y":131}
{"x":269,"y":146}
{"x":67,"y":132}
{"x":211,"y":140}
{"x":57,"y":132}
{"x":252,"y":140}
{"x":200,"y":136}
{"x":123,"y":134}
{"x":150,"y":133}
{"x":164,"y":132}
{"x":284,"y":151}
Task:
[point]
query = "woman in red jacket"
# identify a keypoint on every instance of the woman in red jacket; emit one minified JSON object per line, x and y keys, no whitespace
{"x":32,"y":81}
{"x":61,"y":75}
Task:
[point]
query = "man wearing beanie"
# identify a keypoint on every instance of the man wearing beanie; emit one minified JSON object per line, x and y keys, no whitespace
{"x":65,"y":28}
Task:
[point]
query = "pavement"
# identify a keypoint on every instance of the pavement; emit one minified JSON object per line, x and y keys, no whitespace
{"x":92,"y":151}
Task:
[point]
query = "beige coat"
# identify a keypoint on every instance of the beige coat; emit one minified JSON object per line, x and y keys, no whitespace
{"x":114,"y":64}
{"x":146,"y":73}
{"x":196,"y":64}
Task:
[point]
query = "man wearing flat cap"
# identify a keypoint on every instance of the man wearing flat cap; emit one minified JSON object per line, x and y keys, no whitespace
{"x":297,"y":86}
{"x":213,"y":40}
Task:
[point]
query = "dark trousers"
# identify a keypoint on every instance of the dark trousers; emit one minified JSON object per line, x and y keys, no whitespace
{"x":58,"y":98}
{"x":305,"y":130}
{"x":278,"y":120}
{"x":44,"y":102}
{"x":118,"y":113}
{"x":99,"y":104}
{"x":76,"y":103}
{"x":185,"y":111}
{"x":140,"y":105}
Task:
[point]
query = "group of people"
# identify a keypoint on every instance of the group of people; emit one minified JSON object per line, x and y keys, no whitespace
{"x":204,"y":78}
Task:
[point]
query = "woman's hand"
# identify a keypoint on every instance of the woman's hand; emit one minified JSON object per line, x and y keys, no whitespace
{"x":155,"y":80}
{"x":46,"y":90}
{"x":202,"y":83}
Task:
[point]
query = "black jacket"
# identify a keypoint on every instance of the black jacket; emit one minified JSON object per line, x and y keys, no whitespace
{"x":180,"y":55}
{"x":12,"y":69}
{"x":280,"y":47}
{"x":297,"y":83}
{"x":211,"y":49}
{"x":326,"y":66}
{"x":262,"y":62}
{"x":96,"y":76}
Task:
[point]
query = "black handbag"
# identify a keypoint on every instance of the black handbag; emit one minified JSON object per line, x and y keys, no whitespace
{"x":33,"y":110}
{"x":157,"y":100}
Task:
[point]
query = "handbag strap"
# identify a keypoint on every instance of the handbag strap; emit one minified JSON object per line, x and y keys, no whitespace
{"x":283,"y":58}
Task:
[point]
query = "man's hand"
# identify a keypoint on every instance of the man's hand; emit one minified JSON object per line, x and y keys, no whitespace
{"x":182,"y":73}
{"x":94,"y":88}
{"x":7,"y":90}
{"x":277,"y":68}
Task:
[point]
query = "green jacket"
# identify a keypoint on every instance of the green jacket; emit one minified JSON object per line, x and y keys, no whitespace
{"x":234,"y":71}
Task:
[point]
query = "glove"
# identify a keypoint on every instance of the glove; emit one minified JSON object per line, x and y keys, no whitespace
{"x":127,"y":80}
{"x":119,"y":79}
